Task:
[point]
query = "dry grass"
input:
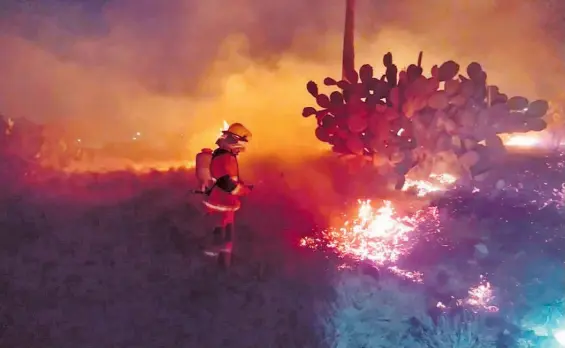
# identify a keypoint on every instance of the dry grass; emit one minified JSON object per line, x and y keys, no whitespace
{"x":114,"y":260}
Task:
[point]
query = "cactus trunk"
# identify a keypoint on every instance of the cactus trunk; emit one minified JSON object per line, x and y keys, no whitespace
{"x":348,"y":63}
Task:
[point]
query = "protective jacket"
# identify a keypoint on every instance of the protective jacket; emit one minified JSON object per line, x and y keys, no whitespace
{"x":225,"y":194}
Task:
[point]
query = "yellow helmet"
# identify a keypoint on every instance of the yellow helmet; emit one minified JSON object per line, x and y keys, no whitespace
{"x":235,"y":138}
{"x":239,"y":131}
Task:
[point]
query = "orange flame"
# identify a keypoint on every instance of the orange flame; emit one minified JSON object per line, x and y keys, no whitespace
{"x":225,"y":127}
{"x":522,"y":140}
{"x":481,"y":297}
{"x":438,"y":182}
{"x":377,"y":235}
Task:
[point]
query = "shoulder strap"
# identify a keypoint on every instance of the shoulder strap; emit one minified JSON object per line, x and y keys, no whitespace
{"x":219,"y":152}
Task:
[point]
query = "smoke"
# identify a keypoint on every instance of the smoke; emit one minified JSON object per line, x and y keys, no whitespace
{"x":108,"y":69}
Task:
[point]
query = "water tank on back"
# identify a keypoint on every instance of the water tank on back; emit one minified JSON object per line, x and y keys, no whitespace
{"x":203,"y":175}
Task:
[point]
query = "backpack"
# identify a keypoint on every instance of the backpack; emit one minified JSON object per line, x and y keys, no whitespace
{"x":202,"y":169}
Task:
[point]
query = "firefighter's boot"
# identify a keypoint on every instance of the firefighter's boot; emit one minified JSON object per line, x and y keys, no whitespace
{"x":215,"y":247}
{"x":227,"y":246}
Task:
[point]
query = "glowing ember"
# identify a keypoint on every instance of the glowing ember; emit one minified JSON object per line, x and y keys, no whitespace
{"x":414,"y":276}
{"x":378,"y":235}
{"x":439,"y":182}
{"x":524,"y":141}
{"x":382,"y":237}
{"x":558,"y":197}
{"x":440,"y":305}
{"x":540,"y":140}
{"x":480,"y":297}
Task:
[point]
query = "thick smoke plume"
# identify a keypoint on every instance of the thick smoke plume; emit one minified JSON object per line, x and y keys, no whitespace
{"x":163,"y":67}
{"x":105,"y":70}
{"x":108,"y":69}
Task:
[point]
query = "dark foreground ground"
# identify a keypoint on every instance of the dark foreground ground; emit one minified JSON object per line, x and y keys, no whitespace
{"x":114,"y":260}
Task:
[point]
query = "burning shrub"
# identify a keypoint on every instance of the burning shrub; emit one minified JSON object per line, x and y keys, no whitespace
{"x":405,"y":120}
{"x":25,"y":144}
{"x":14,"y":161}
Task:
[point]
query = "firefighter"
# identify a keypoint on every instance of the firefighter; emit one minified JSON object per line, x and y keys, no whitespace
{"x":225,"y":189}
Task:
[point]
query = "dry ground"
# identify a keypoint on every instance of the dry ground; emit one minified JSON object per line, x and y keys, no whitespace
{"x":114,"y":260}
